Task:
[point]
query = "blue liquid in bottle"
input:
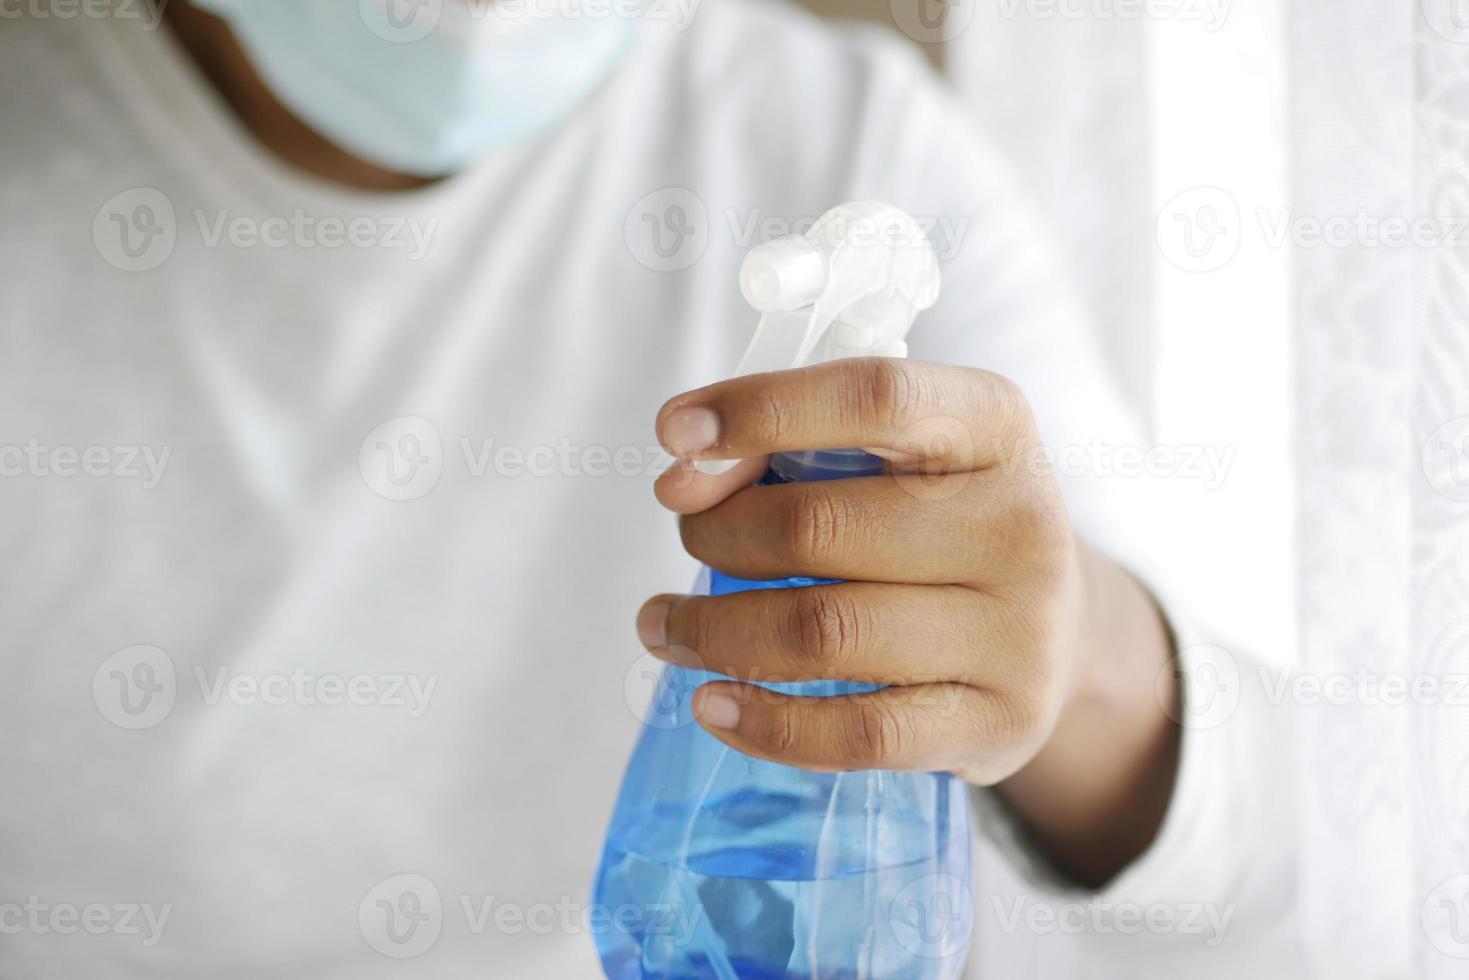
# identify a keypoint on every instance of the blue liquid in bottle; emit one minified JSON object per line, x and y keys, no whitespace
{"x":721,"y":866}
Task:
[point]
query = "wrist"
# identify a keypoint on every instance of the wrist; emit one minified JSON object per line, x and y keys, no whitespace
{"x":1095,"y":794}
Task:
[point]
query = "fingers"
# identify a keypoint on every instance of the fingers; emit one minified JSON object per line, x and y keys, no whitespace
{"x":855,"y":631}
{"x":932,"y":544}
{"x":927,"y":727}
{"x":918,"y":415}
{"x":968,"y":528}
{"x":685,"y":490}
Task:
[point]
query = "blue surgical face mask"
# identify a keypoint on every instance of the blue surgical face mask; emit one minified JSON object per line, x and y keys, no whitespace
{"x":425,"y":86}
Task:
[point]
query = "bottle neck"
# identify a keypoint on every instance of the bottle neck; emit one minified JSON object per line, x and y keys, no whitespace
{"x":813,"y":465}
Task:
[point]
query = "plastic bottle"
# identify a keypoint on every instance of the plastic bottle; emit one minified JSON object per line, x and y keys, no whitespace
{"x":723,"y":866}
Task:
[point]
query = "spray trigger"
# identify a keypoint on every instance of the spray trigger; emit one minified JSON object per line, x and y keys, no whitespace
{"x":857,"y":278}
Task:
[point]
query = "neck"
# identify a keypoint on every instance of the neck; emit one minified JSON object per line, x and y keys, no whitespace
{"x":213,"y":48}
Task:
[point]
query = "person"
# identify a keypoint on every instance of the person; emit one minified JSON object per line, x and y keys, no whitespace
{"x":331,"y":361}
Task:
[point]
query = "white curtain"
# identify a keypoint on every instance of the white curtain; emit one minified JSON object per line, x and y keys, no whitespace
{"x":1231,"y":183}
{"x":1436,"y":552}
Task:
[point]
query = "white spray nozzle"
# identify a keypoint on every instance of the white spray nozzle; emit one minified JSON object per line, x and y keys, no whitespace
{"x":859,"y":277}
{"x":785,"y":274}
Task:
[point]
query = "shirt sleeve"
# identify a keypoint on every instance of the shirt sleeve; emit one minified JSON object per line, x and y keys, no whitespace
{"x":1219,"y":872}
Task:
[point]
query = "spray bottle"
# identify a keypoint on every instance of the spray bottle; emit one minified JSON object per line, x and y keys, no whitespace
{"x":718,"y":865}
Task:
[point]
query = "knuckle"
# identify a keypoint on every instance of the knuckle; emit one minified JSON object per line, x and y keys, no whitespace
{"x":828,"y":625}
{"x":1016,"y":721}
{"x":1004,"y":398}
{"x":700,"y":631}
{"x":781,"y":737}
{"x":873,"y":735}
{"x":1000,"y":406}
{"x":1007,"y":392}
{"x":816,"y":525}
{"x":895,"y":391}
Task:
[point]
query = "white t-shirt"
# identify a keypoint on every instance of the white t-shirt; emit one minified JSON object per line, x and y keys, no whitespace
{"x":325,"y":514}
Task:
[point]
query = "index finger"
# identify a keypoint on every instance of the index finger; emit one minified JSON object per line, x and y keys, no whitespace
{"x":918,"y":415}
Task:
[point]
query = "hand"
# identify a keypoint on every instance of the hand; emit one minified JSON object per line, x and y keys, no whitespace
{"x":965,"y":591}
{"x":1014,"y":654}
